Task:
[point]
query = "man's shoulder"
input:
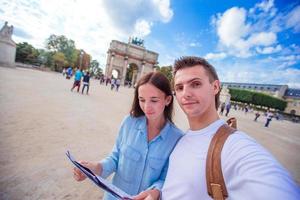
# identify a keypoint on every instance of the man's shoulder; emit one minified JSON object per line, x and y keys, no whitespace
{"x":240,"y":146}
{"x":240,"y":139}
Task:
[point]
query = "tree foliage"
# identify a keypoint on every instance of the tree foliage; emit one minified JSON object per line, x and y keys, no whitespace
{"x":26,"y":53}
{"x":64,"y":45}
{"x":59,"y":60}
{"x":257,"y":98}
{"x":167,"y":71}
{"x":60,"y":52}
{"x":94,"y":69}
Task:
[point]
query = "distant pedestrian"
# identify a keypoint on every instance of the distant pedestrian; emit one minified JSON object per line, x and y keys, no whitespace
{"x":118,"y":83}
{"x":246,"y":109}
{"x":64,"y":71}
{"x":228,"y":106}
{"x":107,"y":81}
{"x":77,"y":80}
{"x":69,"y":73}
{"x":86,"y":82}
{"x":112,"y":83}
{"x":222,"y":108}
{"x":269,"y":118}
{"x":235,"y":107}
{"x":257,"y":114}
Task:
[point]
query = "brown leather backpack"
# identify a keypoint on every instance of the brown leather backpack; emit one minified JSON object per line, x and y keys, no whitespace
{"x":216,"y":187}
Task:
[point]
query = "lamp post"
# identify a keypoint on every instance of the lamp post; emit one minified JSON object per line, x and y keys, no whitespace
{"x":81,"y":55}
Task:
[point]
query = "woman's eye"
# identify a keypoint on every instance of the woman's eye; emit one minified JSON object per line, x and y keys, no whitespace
{"x":142,"y":100}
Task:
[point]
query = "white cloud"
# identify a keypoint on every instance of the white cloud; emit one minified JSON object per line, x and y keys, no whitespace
{"x":293,"y":19}
{"x":236,"y":36}
{"x":231,"y":26}
{"x":92,"y":25}
{"x":244,"y":33}
{"x":142,"y":28}
{"x":164,"y":9}
{"x":265,"y":5}
{"x":269,"y":50}
{"x":194,"y":44}
{"x":262,"y":38}
{"x":255,"y":71}
{"x":215,"y":56}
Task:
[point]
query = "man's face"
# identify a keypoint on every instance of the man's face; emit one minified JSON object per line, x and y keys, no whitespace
{"x":194,"y":92}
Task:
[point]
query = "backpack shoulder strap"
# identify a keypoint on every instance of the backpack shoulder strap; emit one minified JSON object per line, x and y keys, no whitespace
{"x":216,"y":187}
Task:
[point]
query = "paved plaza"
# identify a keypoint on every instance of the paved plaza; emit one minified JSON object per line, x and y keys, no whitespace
{"x":41,"y":119}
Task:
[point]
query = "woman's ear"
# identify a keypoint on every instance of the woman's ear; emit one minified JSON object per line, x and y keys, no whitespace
{"x":168,"y":99}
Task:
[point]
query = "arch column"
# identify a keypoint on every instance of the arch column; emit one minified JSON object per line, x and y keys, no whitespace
{"x":111,"y":63}
{"x":141,"y":71}
{"x":143,"y":68}
{"x":134,"y":77}
{"x":123,"y":78}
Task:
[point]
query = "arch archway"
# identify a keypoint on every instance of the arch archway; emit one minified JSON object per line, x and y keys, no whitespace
{"x":116,"y":73}
{"x":131,"y":74}
{"x":120,"y":54}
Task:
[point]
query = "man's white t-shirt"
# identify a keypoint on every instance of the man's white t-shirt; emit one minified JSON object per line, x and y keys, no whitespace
{"x":250,"y":172}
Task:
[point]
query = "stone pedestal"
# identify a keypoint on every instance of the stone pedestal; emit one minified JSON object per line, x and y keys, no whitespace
{"x":7,"y":46}
{"x":225,"y":96}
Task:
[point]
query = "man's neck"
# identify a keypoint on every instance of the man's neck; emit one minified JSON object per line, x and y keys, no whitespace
{"x":200,"y":122}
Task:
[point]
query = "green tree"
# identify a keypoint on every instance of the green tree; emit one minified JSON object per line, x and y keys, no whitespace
{"x":94,"y":69}
{"x":46,"y":58}
{"x":167,"y":71}
{"x":64,"y":45}
{"x":257,"y":98}
{"x":26,"y":53}
{"x":59,"y":61}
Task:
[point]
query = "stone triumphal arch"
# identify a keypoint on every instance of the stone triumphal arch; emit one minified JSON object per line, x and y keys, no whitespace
{"x":130,"y":60}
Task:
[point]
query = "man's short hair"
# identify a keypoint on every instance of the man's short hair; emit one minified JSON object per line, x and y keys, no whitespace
{"x":191,"y":61}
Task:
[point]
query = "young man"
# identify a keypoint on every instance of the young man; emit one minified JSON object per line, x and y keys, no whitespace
{"x":77,"y":79}
{"x":249,"y":171}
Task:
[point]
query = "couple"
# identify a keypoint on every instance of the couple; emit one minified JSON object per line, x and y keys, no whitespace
{"x":152,"y":160}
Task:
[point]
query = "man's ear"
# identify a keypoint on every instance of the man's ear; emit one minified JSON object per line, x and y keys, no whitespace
{"x":216,"y":85}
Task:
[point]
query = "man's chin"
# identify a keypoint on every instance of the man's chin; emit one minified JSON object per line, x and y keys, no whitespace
{"x":191,"y":114}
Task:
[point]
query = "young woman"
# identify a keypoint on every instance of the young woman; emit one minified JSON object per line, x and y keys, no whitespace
{"x":146,"y":138}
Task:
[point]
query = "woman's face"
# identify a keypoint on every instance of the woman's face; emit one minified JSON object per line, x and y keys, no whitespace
{"x":152,"y":101}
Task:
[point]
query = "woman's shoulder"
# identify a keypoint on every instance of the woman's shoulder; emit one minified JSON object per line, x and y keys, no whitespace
{"x":175,"y":129}
{"x":129,"y":119}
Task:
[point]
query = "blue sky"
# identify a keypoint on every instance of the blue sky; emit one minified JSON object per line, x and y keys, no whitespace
{"x":246,"y":41}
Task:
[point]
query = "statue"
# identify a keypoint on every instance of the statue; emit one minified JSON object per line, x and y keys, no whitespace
{"x":6,"y":31}
{"x":7,"y":46}
{"x":137,"y":41}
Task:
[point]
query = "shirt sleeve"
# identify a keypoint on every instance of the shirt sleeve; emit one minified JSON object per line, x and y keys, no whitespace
{"x":251,"y":172}
{"x":110,"y":163}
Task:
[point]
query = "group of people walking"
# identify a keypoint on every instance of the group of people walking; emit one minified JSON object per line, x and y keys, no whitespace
{"x":153,"y":159}
{"x":85,"y":77}
{"x":114,"y":82}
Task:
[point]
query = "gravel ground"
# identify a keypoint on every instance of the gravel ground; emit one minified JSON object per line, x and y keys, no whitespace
{"x":41,"y":118}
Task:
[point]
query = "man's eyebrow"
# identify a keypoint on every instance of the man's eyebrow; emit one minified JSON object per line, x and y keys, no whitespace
{"x":189,"y":81}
